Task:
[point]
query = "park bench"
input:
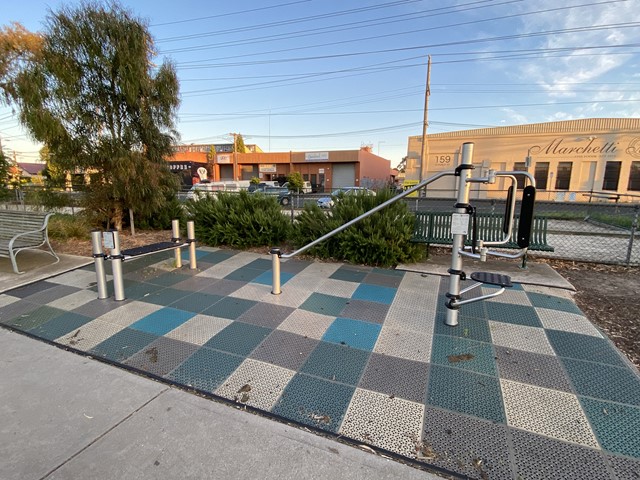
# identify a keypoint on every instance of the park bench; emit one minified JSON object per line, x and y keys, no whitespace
{"x":20,"y":230}
{"x":435,"y":228}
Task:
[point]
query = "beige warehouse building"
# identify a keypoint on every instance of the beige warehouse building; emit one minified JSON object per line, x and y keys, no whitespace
{"x":595,"y":159}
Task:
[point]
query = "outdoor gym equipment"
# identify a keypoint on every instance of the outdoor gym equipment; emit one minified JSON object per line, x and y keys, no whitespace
{"x":479,"y":248}
{"x":111,"y":240}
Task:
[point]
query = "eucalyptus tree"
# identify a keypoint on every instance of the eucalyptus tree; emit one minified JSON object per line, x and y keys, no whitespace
{"x":96,"y":99}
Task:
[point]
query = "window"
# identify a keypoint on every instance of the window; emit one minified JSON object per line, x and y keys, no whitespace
{"x":520,"y":167}
{"x":541,"y":174}
{"x":611,"y":176}
{"x":563,"y":176}
{"x":634,"y":177}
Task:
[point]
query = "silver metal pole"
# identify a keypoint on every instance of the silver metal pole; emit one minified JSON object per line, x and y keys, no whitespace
{"x":464,"y":171}
{"x":116,"y":268}
{"x":191,"y":238}
{"x":275,"y":264}
{"x":175,"y":234}
{"x":98,"y":260}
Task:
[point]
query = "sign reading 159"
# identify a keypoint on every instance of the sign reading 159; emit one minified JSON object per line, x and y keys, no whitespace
{"x":442,"y":159}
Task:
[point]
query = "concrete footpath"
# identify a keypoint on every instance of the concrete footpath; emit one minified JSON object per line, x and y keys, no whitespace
{"x":66,"y":416}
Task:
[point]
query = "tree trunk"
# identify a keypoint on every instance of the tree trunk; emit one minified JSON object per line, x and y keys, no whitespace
{"x":131,"y":223}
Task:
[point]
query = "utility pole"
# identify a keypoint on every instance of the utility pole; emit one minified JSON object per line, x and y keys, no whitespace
{"x":235,"y":158}
{"x":424,"y":155}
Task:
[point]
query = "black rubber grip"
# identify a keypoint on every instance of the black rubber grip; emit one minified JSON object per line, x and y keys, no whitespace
{"x":526,"y":216}
{"x":508,"y":211}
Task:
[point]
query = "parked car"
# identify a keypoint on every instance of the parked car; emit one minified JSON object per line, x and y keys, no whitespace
{"x":328,"y":202}
{"x":283,"y":194}
{"x":267,"y":183}
{"x":306,"y":186}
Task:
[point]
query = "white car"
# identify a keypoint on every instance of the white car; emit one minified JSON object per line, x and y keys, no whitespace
{"x":328,"y":202}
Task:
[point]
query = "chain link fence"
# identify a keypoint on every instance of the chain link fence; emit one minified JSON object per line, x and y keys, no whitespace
{"x":586,"y":231}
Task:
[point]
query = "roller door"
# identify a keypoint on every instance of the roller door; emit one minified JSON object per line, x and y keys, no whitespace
{"x":344,"y":175}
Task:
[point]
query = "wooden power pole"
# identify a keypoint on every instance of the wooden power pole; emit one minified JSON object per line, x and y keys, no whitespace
{"x":424,"y":155}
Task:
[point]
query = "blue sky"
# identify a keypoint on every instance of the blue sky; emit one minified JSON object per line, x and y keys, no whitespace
{"x":316,"y":75}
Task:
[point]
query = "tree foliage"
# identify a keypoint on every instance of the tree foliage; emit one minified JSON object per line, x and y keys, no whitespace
{"x":239,"y":146}
{"x":18,"y":47}
{"x":97,"y":101}
{"x":296,"y":182}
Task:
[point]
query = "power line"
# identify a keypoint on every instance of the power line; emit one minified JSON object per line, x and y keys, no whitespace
{"x":230,"y":14}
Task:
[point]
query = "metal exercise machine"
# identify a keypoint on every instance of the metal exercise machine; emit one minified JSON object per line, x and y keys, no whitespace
{"x":111,"y":240}
{"x":479,"y":249}
{"x":464,"y":212}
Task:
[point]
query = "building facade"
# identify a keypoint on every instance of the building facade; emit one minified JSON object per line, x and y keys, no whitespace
{"x":577,"y":160}
{"x":325,"y":170}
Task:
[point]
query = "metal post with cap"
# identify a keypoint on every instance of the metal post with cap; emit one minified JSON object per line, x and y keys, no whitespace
{"x":98,"y":260}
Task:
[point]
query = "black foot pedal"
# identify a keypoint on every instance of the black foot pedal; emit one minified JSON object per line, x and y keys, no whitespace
{"x":492,"y":279}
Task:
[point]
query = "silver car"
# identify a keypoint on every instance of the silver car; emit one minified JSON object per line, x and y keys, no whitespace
{"x":328,"y":202}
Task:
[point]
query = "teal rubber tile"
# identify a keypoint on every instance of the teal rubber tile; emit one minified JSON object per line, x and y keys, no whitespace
{"x":541,"y":300}
{"x":616,"y":426}
{"x":349,"y":274}
{"x":98,"y":307}
{"x":239,"y":338}
{"x":466,"y":392}
{"x":266,"y":278}
{"x":33,"y":318}
{"x":162,"y":356}
{"x":229,"y":307}
{"x":196,"y":302}
{"x":315,"y":402}
{"x":122,"y":345}
{"x":205,"y":370}
{"x":184,"y":255}
{"x":375,"y":293}
{"x":60,"y":325}
{"x":463,"y":353}
{"x":603,"y":381}
{"x":514,"y":314}
{"x":471,"y":328}
{"x":584,"y":347}
{"x":532,"y":368}
{"x":163,"y":296}
{"x":217,"y":256}
{"x":244,"y":274}
{"x":324,"y":304}
{"x":353,"y":333}
{"x":162,"y":321}
{"x":336,"y":363}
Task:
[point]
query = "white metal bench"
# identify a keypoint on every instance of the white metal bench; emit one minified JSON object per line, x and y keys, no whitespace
{"x":20,"y":230}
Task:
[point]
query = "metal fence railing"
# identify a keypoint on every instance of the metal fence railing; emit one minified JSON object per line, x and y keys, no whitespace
{"x":599,"y":232}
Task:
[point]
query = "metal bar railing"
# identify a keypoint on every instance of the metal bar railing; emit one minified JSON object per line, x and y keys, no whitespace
{"x":277,"y":254}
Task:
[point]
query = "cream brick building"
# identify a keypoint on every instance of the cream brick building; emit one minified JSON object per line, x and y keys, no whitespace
{"x":569,"y":159}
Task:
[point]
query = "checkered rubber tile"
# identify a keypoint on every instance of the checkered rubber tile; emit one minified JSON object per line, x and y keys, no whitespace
{"x":524,"y":387}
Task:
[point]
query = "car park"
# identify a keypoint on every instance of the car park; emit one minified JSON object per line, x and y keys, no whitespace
{"x":328,"y":202}
{"x":306,"y":186}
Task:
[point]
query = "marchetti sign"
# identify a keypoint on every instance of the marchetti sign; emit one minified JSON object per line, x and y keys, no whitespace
{"x":589,"y":147}
{"x":316,"y":156}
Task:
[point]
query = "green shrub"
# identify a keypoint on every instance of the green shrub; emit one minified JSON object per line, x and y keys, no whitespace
{"x":65,"y":227}
{"x":161,"y":219}
{"x":382,"y":239}
{"x":239,"y":220}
